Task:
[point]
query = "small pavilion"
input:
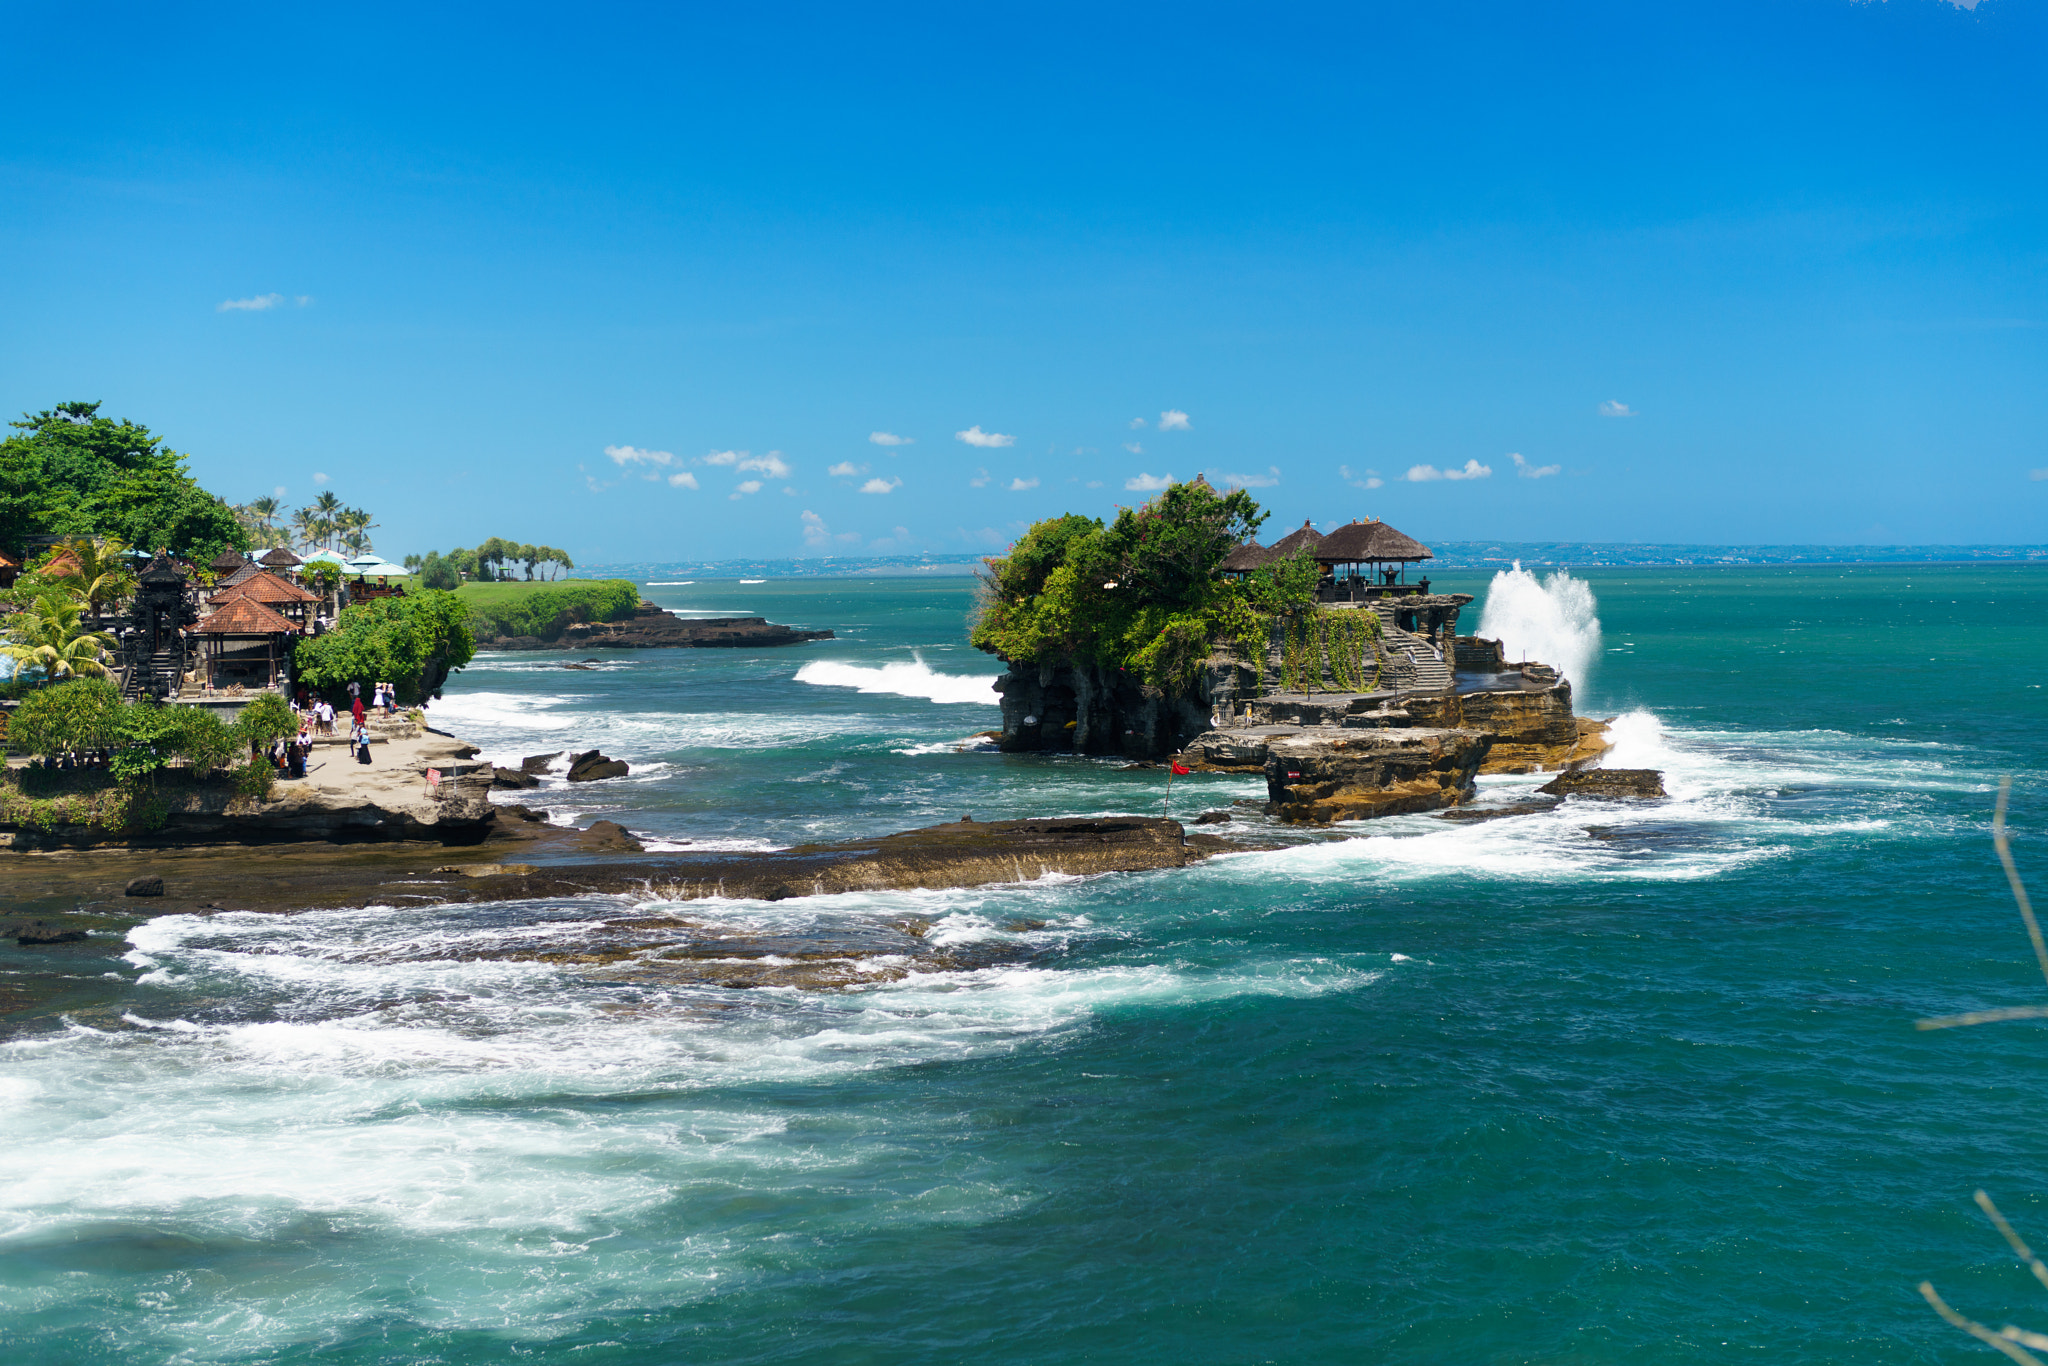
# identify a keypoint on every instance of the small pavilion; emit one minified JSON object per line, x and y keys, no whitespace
{"x":227,"y":562}
{"x":278,"y":560}
{"x":279,"y":595}
{"x":1369,"y":558}
{"x":243,"y":641}
{"x":1246,"y":559}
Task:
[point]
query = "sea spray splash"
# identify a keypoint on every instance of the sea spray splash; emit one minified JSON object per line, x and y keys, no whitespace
{"x":1552,"y":621}
{"x":914,"y":679}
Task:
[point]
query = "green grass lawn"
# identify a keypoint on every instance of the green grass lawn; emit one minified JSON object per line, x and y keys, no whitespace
{"x":487,"y":593}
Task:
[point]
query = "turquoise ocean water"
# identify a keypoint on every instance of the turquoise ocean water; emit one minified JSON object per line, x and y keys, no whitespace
{"x":1602,"y":1085}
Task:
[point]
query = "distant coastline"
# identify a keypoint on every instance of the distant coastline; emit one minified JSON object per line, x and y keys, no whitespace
{"x":1449,"y":555}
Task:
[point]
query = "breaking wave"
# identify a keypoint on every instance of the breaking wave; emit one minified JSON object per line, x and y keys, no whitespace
{"x":1552,"y":621}
{"x":915,"y":679}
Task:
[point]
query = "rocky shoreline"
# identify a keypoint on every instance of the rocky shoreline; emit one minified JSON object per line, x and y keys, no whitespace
{"x":654,"y":628}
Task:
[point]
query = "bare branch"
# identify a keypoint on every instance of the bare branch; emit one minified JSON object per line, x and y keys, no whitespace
{"x":2012,"y":874}
{"x":2012,"y":1238}
{"x":1978,"y":1330}
{"x":1976,"y":1017}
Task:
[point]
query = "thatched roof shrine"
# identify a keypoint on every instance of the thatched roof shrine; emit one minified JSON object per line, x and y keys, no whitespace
{"x":1246,"y":558}
{"x":279,"y":558}
{"x":1293,"y":541}
{"x":1371,"y":542}
{"x":227,"y":562}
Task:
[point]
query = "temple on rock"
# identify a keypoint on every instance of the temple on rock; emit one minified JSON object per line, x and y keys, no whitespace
{"x":1370,"y":703}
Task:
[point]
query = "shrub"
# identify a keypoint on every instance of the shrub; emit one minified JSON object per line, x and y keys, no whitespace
{"x":68,"y":718}
{"x":268,"y":717}
{"x":412,"y":642}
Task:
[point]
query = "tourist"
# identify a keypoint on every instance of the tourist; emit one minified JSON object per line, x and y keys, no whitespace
{"x":362,"y":743}
{"x":355,"y":705}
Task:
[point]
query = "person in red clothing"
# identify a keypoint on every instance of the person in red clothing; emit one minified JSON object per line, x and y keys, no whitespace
{"x":355,"y":706}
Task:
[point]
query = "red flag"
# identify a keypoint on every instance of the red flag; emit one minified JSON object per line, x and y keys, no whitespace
{"x":1178,"y":771}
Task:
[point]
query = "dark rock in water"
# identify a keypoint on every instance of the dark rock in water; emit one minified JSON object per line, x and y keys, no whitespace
{"x":43,"y":932}
{"x":526,"y":813}
{"x":610,"y":835}
{"x":1132,"y":768}
{"x":651,"y":627}
{"x":1494,"y":813}
{"x":567,"y":665}
{"x":512,"y":778}
{"x":538,"y":763}
{"x":593,"y":661}
{"x":147,"y":885}
{"x":1607,"y":782}
{"x":591,"y":766}
{"x":1213,"y":818}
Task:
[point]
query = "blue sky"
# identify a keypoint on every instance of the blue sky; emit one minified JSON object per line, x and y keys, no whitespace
{"x":644,"y":282}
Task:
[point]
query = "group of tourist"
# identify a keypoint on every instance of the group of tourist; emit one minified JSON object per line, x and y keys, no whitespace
{"x":317,"y":717}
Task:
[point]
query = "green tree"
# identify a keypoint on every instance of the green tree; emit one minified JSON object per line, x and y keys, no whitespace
{"x":413,"y":642}
{"x":437,"y":571}
{"x":83,"y":714}
{"x":1142,"y":593}
{"x":266,"y":718}
{"x":321,"y":576}
{"x":69,"y":471}
{"x":51,"y":637}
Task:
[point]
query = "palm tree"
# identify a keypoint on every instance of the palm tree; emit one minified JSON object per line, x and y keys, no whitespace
{"x":263,"y":509}
{"x":306,"y":528}
{"x":104,"y":575}
{"x":51,"y":636}
{"x":328,"y":509}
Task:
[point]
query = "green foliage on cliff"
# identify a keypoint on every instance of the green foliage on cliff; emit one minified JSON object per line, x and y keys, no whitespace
{"x":505,"y":610}
{"x":69,"y":471}
{"x":411,"y":642}
{"x":1142,"y":593}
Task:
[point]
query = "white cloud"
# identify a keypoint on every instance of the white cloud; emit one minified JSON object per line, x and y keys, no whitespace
{"x":303,"y":300}
{"x":1134,"y":448}
{"x":817,"y":536}
{"x":258,"y":304}
{"x":1422,"y":474}
{"x":1248,"y":481}
{"x":979,"y":481}
{"x":1148,"y":483}
{"x":278,"y":492}
{"x":891,"y":439}
{"x":846,"y":469}
{"x":1174,"y":420}
{"x":682,"y":479}
{"x":1019,"y":484}
{"x":319,"y":478}
{"x":723,"y":458}
{"x":770,"y":464}
{"x":1614,"y":407}
{"x":1137,"y":423}
{"x":881,"y":485}
{"x":2031,"y":474}
{"x":975,"y":436}
{"x":1529,"y":471}
{"x":746,"y":487}
{"x":1094,"y":483}
{"x":1369,"y":480}
{"x":633,"y":455}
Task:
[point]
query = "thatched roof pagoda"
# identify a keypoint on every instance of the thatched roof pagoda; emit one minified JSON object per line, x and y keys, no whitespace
{"x":279,"y":558}
{"x":1246,"y":558}
{"x":227,"y":562}
{"x":1372,"y":542}
{"x":1293,"y":541}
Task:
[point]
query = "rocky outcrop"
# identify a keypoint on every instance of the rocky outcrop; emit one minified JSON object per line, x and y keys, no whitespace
{"x":652,"y":628}
{"x":1318,"y":778}
{"x":512,"y":779}
{"x":149,"y":884}
{"x":1096,"y":709}
{"x":31,"y":932}
{"x":1528,"y":712}
{"x":1607,"y":782}
{"x":591,"y":766}
{"x":1324,"y":774}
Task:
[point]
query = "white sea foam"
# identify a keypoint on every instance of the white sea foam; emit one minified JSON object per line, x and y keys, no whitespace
{"x":1552,"y":621}
{"x":912,"y":679}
